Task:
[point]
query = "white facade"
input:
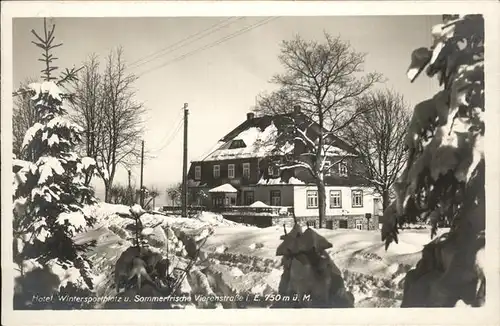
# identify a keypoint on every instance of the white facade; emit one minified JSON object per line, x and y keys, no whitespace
{"x":370,"y":201}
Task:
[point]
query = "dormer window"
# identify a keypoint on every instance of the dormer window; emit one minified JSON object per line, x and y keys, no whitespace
{"x":328,"y":167}
{"x":273,"y":171}
{"x":343,"y":169}
{"x":237,"y":143}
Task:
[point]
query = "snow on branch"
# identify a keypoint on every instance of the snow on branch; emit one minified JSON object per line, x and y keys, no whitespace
{"x":46,"y":87}
{"x":311,"y":143}
{"x":296,"y":164}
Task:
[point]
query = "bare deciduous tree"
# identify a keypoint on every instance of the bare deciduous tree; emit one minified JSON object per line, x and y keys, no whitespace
{"x":110,"y":115}
{"x":379,"y":137}
{"x":119,"y":194}
{"x":122,"y":119}
{"x":23,"y":117}
{"x":174,"y":193}
{"x":88,"y":108}
{"x":324,"y":79}
{"x":152,"y":194}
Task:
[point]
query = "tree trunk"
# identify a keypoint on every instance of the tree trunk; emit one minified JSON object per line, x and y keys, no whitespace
{"x":321,"y":202}
{"x":385,"y":199}
{"x":88,"y":178}
{"x":107,"y":188}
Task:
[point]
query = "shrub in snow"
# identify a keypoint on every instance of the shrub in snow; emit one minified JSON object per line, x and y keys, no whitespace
{"x":137,"y":210}
{"x":49,"y":193}
{"x":444,"y":178}
{"x":309,"y":273}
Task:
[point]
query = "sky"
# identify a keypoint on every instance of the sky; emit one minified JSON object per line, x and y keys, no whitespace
{"x":219,"y":71}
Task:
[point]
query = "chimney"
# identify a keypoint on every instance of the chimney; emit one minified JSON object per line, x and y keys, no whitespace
{"x":250,"y":115}
{"x":296,"y":109}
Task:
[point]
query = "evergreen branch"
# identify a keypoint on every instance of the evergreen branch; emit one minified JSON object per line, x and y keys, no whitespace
{"x":39,"y":44}
{"x":55,"y":46}
{"x":38,"y":37}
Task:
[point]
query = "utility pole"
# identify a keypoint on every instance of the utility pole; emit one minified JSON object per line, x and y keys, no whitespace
{"x":184,"y":163}
{"x":130,"y":194}
{"x":141,"y":191}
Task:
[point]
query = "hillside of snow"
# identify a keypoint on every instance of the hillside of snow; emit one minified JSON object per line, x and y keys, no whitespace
{"x":373,"y":275}
{"x":241,"y":259}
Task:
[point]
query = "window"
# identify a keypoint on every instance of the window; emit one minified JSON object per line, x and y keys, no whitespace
{"x":246,"y":170}
{"x":230,"y":171}
{"x":312,"y":199}
{"x":248,"y":198}
{"x":273,"y":168}
{"x":216,"y":171}
{"x":357,"y":198}
{"x":377,"y":209}
{"x":197,"y":172}
{"x":311,"y":224}
{"x":275,"y":198}
{"x":343,"y":169}
{"x":218,"y":201}
{"x":327,"y":168}
{"x":335,"y":199}
{"x":237,"y":143}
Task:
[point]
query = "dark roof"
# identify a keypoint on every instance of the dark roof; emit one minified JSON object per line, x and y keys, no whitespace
{"x":282,"y":120}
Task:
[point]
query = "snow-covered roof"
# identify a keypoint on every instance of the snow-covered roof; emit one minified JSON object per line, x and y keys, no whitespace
{"x":279,"y":181}
{"x":259,"y":143}
{"x":223,"y":188}
{"x":259,"y":204}
{"x":335,"y":151}
{"x":258,"y":138}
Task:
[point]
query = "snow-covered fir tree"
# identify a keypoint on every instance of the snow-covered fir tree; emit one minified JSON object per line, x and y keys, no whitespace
{"x":445,"y":175}
{"x":49,"y":193}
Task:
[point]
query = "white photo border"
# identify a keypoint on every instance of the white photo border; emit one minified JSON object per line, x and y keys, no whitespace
{"x":487,"y":315}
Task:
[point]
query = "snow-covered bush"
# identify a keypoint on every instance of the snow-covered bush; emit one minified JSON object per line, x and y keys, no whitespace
{"x":309,"y":272}
{"x":49,"y":192}
{"x":444,"y":178}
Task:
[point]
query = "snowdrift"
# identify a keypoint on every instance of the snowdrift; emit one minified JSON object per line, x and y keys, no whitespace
{"x":236,"y":259}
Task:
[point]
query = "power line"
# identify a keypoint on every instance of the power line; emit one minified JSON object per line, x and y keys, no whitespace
{"x":210,"y":151}
{"x":171,"y":138}
{"x":175,"y":46}
{"x":168,"y":139}
{"x":177,"y":120}
{"x":211,"y":45}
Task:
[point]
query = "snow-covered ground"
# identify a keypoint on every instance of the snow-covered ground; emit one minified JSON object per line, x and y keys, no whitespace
{"x":238,"y":258}
{"x":372,"y":274}
{"x":355,"y":250}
